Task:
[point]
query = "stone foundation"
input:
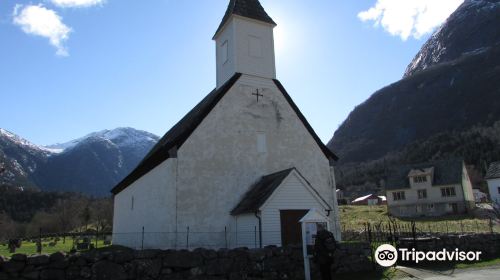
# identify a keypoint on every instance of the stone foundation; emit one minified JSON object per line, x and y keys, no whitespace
{"x":123,"y":263}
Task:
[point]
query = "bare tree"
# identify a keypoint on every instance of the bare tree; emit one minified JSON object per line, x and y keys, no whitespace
{"x":102,"y":214}
{"x":66,"y":211}
{"x":85,"y":216}
{"x":46,"y":221}
{"x":7,"y":225}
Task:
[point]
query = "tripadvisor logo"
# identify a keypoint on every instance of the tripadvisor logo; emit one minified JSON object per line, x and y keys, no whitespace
{"x":386,"y":255}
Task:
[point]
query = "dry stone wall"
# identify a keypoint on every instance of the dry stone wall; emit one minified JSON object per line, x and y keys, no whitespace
{"x":121,"y":263}
{"x":488,"y":244}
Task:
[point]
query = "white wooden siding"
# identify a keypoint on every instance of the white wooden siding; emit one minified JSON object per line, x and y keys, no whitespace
{"x":493,"y":185}
{"x":291,"y":195}
{"x":247,"y":231}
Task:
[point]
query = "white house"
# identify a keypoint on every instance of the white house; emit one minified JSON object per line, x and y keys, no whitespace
{"x":493,"y":179}
{"x":241,"y":168}
{"x":429,"y":189}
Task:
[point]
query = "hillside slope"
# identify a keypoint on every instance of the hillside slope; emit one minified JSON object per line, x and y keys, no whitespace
{"x":449,"y":96}
{"x":453,"y":84}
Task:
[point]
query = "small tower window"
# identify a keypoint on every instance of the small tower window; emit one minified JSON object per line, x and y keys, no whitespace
{"x":132,"y":203}
{"x":255,"y":46}
{"x":224,"y":52}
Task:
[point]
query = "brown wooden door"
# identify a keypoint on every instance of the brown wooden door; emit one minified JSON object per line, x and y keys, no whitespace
{"x":291,"y":231}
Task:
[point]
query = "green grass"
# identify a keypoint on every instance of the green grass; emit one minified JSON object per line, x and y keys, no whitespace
{"x":355,"y":218}
{"x":29,"y":248}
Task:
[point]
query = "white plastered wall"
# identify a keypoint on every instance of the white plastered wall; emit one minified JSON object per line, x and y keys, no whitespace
{"x":215,"y":167}
{"x":220,"y":160}
{"x":153,"y":208}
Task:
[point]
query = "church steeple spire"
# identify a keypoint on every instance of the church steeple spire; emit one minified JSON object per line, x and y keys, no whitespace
{"x":245,"y":8}
{"x":245,"y":42}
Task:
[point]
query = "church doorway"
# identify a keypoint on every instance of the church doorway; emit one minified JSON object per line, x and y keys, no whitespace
{"x":291,"y":231}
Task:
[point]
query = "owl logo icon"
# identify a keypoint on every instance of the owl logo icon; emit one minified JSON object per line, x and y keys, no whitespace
{"x":386,"y":255}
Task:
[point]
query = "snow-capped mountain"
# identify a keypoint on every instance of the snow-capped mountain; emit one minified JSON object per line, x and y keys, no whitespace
{"x":21,"y":142}
{"x":123,"y":136}
{"x":19,"y":158}
{"x":92,"y":164}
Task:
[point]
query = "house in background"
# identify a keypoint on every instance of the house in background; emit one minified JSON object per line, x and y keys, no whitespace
{"x":493,"y":179}
{"x":429,"y":189}
{"x":341,"y":197}
{"x":479,"y":196}
{"x":371,"y":199}
{"x":352,"y":191}
{"x":340,"y":194}
{"x":242,"y":167}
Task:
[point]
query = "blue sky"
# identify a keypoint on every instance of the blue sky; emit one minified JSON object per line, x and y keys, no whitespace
{"x":144,"y":64}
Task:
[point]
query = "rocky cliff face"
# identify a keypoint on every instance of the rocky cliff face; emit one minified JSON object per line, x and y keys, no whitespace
{"x":473,"y":26}
{"x":452,"y":84}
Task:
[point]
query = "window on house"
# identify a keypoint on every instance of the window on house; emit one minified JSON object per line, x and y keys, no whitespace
{"x":453,"y":207}
{"x":422,"y":194}
{"x":224,"y":52}
{"x":398,"y":195}
{"x":430,"y":207}
{"x":447,"y":192}
{"x":132,"y":203}
{"x":419,"y":179}
{"x":498,"y":190}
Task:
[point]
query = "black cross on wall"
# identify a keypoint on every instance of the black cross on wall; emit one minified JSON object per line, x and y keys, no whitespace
{"x":258,"y":94}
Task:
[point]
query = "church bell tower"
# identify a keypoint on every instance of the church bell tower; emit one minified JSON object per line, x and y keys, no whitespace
{"x":245,"y":42}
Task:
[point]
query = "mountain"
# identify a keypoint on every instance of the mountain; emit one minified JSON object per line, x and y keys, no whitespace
{"x":473,"y":26}
{"x":451,"y":88}
{"x":92,"y":164}
{"x":123,"y":137}
{"x":20,"y":159}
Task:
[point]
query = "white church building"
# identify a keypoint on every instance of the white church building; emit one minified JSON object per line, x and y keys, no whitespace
{"x":241,"y":168}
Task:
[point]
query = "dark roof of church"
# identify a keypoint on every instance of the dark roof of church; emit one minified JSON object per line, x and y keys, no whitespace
{"x":245,"y":8}
{"x":493,"y":171}
{"x":167,"y":146}
{"x":328,"y":153}
{"x":259,"y":192}
{"x":446,"y":172}
{"x":175,"y":137}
